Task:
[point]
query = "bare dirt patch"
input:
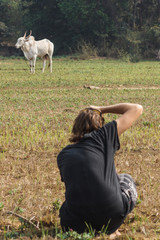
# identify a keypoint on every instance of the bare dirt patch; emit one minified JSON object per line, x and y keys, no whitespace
{"x":123,"y":88}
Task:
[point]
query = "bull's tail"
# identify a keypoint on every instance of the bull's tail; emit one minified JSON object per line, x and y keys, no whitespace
{"x":45,"y":56}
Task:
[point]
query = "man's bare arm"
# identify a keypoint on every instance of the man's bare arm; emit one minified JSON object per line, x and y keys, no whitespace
{"x":129,"y":111}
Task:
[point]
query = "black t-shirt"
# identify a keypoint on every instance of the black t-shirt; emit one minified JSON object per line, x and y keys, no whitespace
{"x":88,"y":171}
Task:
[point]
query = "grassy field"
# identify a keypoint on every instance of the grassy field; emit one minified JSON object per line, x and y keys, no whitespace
{"x":36,"y":116}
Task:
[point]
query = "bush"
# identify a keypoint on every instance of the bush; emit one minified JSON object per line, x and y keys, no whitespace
{"x":86,"y":50}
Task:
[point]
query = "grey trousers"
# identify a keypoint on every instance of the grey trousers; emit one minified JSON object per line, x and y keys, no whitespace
{"x":129,"y":191}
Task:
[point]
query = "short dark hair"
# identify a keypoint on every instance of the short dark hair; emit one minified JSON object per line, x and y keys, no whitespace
{"x":86,"y":121}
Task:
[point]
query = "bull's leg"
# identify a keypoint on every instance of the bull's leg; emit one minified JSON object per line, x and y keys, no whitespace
{"x":44,"y":64}
{"x":50,"y":63}
{"x":31,"y":64}
{"x":34,"y":63}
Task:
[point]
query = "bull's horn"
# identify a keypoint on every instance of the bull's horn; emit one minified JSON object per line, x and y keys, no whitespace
{"x":29,"y":34}
{"x":25,"y":35}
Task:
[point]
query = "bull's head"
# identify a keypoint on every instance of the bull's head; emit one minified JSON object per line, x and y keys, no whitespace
{"x":21,"y":41}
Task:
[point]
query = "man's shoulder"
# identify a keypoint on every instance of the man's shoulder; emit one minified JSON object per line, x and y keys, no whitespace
{"x":110,"y":124}
{"x":107,"y":127}
{"x":66,"y":149}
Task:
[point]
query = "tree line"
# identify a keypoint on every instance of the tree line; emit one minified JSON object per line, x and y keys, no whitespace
{"x":109,"y":28}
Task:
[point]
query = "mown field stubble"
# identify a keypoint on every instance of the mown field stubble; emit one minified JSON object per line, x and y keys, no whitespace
{"x":36,"y":116}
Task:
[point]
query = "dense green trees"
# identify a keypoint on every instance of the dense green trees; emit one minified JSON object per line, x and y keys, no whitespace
{"x":8,"y":17}
{"x":113,"y":27}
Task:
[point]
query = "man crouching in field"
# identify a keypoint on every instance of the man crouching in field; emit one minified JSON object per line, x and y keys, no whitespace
{"x":96,"y":196}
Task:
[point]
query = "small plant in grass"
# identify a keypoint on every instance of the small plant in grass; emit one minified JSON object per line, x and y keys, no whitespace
{"x":24,"y":225}
{"x":44,"y":231}
{"x":19,"y":210}
{"x":74,"y":235}
{"x":90,"y":229}
{"x":11,"y":235}
{"x":104,"y":229}
{"x":84,"y":236}
{"x":56,"y":205}
{"x":12,"y":192}
{"x":139,"y":201}
{"x":1,"y":205}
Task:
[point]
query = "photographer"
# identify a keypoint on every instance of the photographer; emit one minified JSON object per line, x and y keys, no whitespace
{"x":96,"y":196}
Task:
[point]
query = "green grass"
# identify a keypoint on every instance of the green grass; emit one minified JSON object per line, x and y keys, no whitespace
{"x":36,"y":116}
{"x":78,"y":73}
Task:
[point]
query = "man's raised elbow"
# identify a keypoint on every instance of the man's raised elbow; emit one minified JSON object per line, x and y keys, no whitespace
{"x":139,"y":108}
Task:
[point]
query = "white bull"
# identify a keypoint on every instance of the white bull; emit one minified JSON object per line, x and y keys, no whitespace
{"x":33,"y":49}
